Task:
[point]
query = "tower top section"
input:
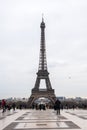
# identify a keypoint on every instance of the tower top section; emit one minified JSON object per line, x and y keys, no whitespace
{"x":42,"y":59}
{"x":42,"y":25}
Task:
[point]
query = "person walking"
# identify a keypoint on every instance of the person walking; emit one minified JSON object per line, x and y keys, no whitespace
{"x":3,"y":105}
{"x":13,"y":106}
{"x":57,"y":106}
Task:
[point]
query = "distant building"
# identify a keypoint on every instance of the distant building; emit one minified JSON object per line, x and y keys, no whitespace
{"x":78,"y":98}
{"x":61,"y":98}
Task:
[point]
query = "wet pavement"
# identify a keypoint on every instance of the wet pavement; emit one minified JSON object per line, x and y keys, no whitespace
{"x":43,"y":120}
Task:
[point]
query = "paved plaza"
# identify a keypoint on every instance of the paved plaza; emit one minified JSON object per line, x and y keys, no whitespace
{"x":43,"y":120}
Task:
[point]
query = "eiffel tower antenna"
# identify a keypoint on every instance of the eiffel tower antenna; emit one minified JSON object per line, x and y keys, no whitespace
{"x":42,"y":73}
{"x":42,"y":17}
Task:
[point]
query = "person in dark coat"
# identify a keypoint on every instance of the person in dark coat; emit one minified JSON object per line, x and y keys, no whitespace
{"x":57,"y":106}
{"x":3,"y":105}
{"x":13,"y":106}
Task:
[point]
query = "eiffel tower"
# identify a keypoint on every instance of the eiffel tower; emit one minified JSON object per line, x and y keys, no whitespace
{"x":42,"y":74}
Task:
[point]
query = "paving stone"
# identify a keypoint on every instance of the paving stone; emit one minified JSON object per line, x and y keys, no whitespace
{"x":44,"y":120}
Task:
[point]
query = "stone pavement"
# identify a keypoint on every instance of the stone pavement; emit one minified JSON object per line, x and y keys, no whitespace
{"x":43,"y":120}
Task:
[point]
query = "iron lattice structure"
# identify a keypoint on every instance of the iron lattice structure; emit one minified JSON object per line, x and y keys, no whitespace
{"x":42,"y":74}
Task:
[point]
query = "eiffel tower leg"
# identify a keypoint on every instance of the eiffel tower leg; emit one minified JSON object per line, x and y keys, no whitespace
{"x":37,"y":83}
{"x":48,"y":84}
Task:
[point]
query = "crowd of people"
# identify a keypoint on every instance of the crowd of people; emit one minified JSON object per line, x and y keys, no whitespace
{"x":39,"y":106}
{"x":57,"y":106}
{"x":7,"y":106}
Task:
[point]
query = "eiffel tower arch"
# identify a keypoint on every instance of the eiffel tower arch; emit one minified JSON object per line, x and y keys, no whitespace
{"x":42,"y":74}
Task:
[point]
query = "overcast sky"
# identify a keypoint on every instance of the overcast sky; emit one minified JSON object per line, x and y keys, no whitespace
{"x":66,"y":46}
